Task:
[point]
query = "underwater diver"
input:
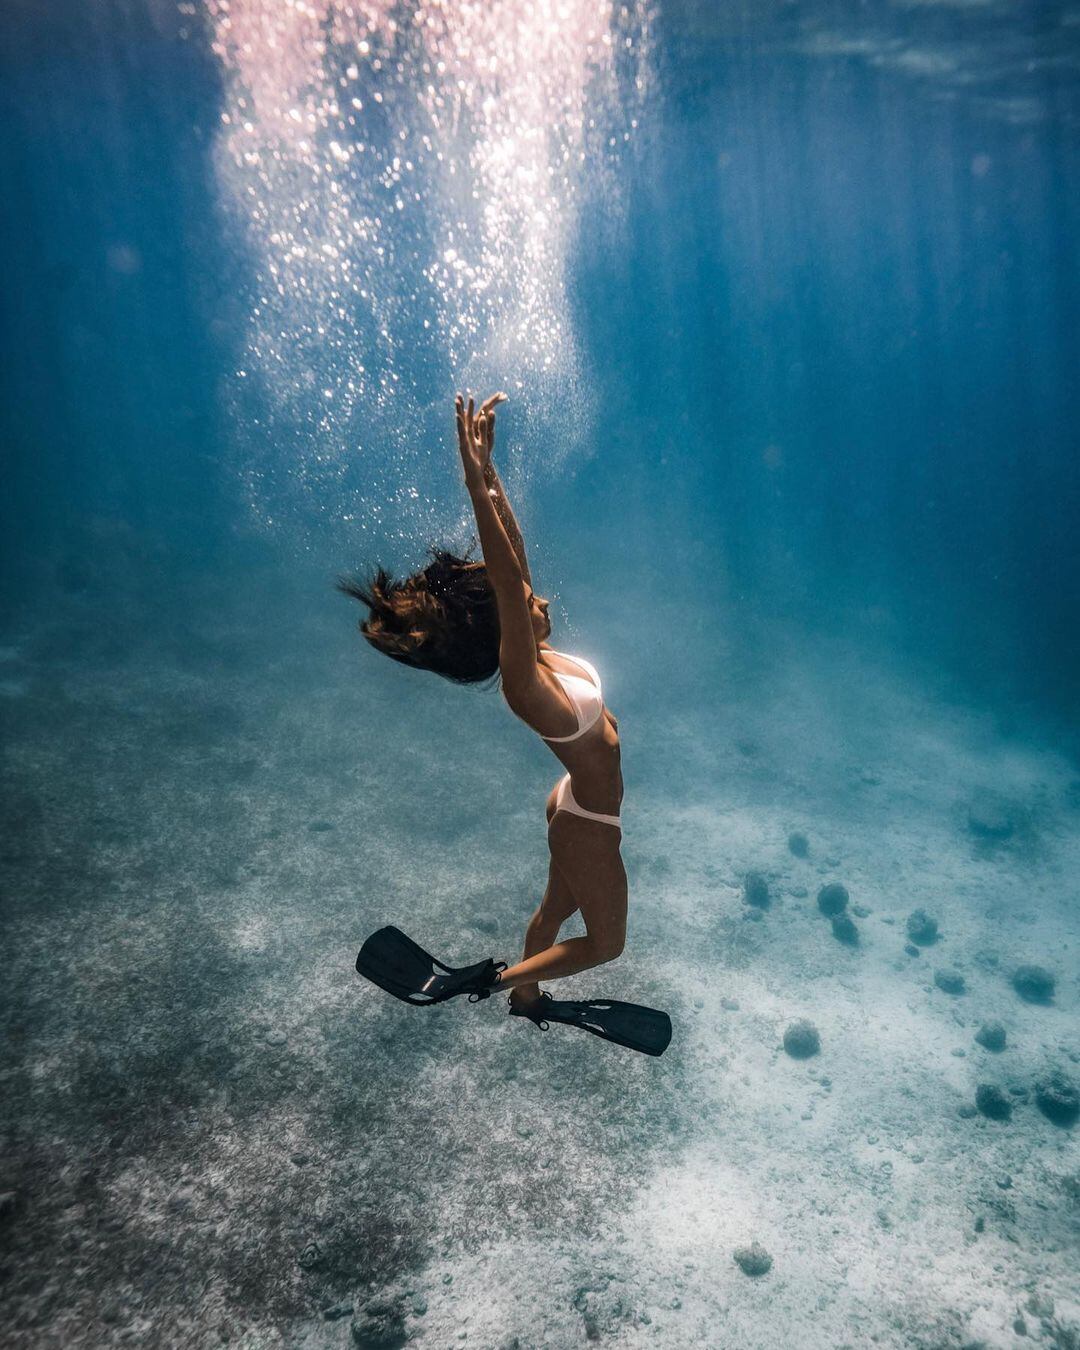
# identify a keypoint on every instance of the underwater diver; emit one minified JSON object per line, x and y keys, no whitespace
{"x":468,"y":621}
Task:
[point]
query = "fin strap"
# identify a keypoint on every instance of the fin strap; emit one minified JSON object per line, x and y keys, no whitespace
{"x":493,"y":969}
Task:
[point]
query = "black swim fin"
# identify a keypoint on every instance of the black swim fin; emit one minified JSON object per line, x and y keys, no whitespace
{"x":397,"y":964}
{"x":629,"y":1024}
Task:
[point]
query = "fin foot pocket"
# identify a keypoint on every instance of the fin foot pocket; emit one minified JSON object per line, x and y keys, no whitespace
{"x":534,"y":1011}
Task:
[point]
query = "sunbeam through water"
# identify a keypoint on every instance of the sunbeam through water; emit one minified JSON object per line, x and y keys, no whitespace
{"x":410,"y":187}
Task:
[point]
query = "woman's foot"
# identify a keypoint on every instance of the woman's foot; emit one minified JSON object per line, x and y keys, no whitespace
{"x":524,"y":995}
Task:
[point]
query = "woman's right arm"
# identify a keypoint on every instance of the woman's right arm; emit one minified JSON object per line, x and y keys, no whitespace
{"x":495,"y":489}
{"x":517,"y":646}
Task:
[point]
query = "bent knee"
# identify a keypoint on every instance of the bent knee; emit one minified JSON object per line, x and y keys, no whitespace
{"x":610,"y":949}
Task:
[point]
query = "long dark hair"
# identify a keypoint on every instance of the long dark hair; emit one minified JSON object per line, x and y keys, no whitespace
{"x":442,"y":619}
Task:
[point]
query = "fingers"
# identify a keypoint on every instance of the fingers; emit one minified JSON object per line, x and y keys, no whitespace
{"x":477,"y":427}
{"x":465,"y":423}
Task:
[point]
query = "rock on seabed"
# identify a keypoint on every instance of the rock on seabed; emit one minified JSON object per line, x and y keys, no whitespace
{"x":844,"y":930}
{"x":1034,"y":984}
{"x":949,"y":979}
{"x":992,"y":1102}
{"x":991,"y":1036}
{"x":801,"y":1039}
{"x":922,"y":927}
{"x":753,"y":1260}
{"x":1058,"y":1098}
{"x":832,"y":899}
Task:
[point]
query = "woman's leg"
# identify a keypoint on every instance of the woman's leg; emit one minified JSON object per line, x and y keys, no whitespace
{"x":553,"y":911}
{"x":585,"y":857}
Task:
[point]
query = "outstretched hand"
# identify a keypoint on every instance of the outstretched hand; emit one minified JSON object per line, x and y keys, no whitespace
{"x":476,"y":435}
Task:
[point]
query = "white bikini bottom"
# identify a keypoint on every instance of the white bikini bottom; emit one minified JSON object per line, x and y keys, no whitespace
{"x":564,"y":801}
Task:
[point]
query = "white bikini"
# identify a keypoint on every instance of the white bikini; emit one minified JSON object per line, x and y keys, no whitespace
{"x":587,"y":699}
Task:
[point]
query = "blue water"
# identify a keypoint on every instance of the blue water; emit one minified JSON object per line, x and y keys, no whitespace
{"x":792,"y":338}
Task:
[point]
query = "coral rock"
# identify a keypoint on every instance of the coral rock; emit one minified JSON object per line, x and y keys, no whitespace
{"x":801,"y":1040}
{"x":798,"y":844}
{"x":753,"y":1260}
{"x":950,"y":980}
{"x":844,"y":930}
{"x":1034,"y":984}
{"x":832,"y":899}
{"x":922,"y":928}
{"x":1058,"y":1098}
{"x":991,"y":1036}
{"x":992,"y":1102}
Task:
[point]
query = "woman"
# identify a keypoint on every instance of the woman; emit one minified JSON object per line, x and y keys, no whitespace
{"x":467,"y":621}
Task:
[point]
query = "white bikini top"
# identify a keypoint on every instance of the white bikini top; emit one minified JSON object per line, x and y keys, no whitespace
{"x":585,"y":695}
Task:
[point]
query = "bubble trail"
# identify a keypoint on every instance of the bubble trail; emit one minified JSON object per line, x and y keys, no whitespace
{"x":409,"y":179}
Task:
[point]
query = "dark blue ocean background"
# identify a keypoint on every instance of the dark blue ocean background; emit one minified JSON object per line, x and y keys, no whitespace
{"x":808,"y":493}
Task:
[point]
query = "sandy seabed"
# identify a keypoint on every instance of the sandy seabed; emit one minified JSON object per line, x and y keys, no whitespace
{"x":215,"y":1133}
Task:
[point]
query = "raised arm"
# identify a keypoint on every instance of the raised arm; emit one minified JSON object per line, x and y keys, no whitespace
{"x":508,"y":576}
{"x":495,"y":489}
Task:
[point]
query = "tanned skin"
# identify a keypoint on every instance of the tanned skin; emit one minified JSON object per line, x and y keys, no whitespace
{"x":586,"y":869}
